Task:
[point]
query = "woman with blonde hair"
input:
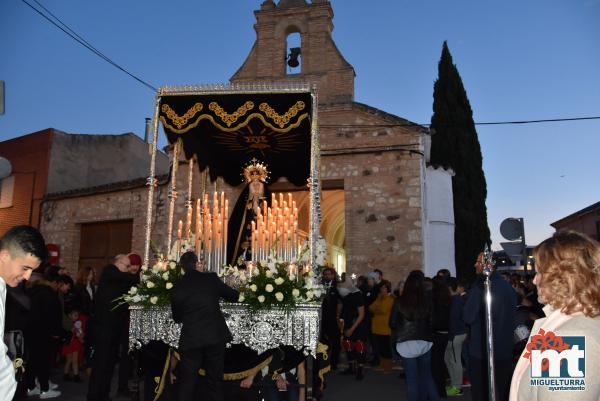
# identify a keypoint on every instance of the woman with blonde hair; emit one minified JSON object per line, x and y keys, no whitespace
{"x":568,"y":282}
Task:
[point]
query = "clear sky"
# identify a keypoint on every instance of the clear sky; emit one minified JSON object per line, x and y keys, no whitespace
{"x":519,"y":60}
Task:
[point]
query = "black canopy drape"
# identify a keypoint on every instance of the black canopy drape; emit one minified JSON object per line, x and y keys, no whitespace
{"x":225,"y":131}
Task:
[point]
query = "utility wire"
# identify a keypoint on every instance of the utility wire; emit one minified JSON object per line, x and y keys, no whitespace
{"x":409,"y":124}
{"x":75,"y":36}
{"x":66,"y":29}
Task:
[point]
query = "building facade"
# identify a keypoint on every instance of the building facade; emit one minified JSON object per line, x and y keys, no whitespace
{"x":22,"y":192}
{"x":88,"y":192}
{"x":374,"y":159}
{"x":586,"y":220}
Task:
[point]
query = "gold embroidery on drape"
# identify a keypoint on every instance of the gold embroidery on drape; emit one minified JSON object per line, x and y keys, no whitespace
{"x":281,"y":120}
{"x":233,"y":129}
{"x":181,"y":121}
{"x":233,"y":117}
{"x":243,"y":374}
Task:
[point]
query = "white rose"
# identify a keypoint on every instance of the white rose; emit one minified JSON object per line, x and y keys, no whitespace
{"x":269,"y":288}
{"x":296,"y":292}
{"x":136,"y":298}
{"x":269,"y":273}
{"x":279,"y":280}
{"x":292,"y":277}
{"x":261,"y":298}
{"x":153,"y":300}
{"x":309,"y":295}
{"x":311,"y":273}
{"x":253,"y":287}
{"x":279,"y":296}
{"x":156,"y":268}
{"x":149,"y":284}
{"x":165,"y":276}
{"x":172,"y":265}
{"x":182,"y":272}
{"x":133,"y":290}
{"x":169,"y":286}
{"x":241,"y":297}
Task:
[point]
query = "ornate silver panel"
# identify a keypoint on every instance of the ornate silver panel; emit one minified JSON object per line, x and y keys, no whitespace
{"x":260,"y":331}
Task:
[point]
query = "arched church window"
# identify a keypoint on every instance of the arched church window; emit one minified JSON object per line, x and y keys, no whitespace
{"x":293,"y":56}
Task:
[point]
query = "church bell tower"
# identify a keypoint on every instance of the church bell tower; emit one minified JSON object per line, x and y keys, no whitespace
{"x":315,"y":59}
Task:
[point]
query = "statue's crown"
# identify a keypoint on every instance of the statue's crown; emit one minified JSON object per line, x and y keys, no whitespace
{"x":255,"y":170}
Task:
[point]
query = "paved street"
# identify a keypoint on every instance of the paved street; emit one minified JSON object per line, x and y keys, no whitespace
{"x":374,"y":387}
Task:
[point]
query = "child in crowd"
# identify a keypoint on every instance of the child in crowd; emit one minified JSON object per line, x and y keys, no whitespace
{"x":73,"y":351}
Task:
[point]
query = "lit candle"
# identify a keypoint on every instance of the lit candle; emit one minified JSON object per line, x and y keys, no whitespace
{"x":288,"y":244}
{"x":180,"y":230}
{"x":290,"y":199}
{"x":280,"y":198}
{"x":188,"y":222}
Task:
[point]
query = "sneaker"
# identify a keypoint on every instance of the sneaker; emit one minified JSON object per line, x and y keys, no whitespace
{"x":34,"y":391}
{"x":452,"y":391}
{"x":51,"y":386}
{"x":466,"y":382}
{"x":49,"y":394}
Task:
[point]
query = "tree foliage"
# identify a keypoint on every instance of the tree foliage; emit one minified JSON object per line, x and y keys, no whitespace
{"x":454,"y":144}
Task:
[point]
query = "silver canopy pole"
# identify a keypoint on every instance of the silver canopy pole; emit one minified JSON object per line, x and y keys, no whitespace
{"x":487,"y":272}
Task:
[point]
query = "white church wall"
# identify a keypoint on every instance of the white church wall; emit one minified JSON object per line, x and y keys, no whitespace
{"x":439,"y":221}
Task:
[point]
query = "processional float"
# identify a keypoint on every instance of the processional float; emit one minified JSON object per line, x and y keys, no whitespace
{"x":238,"y":134}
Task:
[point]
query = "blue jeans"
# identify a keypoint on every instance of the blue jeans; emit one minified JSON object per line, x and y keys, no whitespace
{"x":419,"y":380}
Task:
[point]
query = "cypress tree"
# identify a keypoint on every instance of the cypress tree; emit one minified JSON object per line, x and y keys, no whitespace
{"x":454,"y":144}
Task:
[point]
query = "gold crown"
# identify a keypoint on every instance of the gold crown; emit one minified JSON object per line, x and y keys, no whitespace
{"x":256,"y":170}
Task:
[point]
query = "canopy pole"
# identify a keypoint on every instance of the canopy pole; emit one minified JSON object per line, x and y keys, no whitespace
{"x":173,"y":196}
{"x":151,"y":180}
{"x":314,"y":182}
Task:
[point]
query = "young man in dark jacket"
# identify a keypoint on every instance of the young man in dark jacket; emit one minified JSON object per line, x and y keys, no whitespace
{"x":43,"y":335}
{"x":195,"y":304}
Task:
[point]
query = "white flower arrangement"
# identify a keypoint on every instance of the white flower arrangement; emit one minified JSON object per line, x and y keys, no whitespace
{"x":155,"y":285}
{"x":274,"y":283}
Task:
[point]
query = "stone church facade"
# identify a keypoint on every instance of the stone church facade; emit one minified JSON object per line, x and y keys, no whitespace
{"x":376,"y":158}
{"x":373,"y":163}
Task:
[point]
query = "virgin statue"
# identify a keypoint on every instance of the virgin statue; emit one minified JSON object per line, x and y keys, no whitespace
{"x":246,"y":208}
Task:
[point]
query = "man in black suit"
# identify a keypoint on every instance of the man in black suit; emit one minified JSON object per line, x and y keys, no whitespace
{"x":195,"y":303}
{"x":109,"y":323}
